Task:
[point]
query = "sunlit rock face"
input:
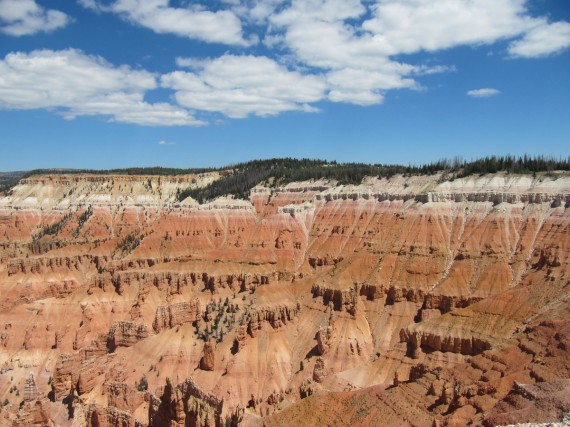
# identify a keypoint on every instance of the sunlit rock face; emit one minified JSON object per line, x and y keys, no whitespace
{"x":412,"y":300}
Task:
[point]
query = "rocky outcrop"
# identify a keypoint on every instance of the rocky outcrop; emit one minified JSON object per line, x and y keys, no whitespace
{"x":323,"y":261}
{"x":319,"y":371}
{"x":113,"y":266}
{"x":346,"y":298}
{"x":125,"y":334}
{"x":306,"y":389}
{"x":276,"y":316}
{"x":324,"y":337}
{"x":123,"y":397}
{"x":73,"y":373}
{"x":372,"y":292}
{"x":341,"y":299}
{"x":174,"y":282}
{"x":30,"y":413}
{"x":469,"y":346}
{"x":240,"y":338}
{"x":30,"y":388}
{"x":65,"y":376}
{"x":184,"y":404}
{"x":42,"y":265}
{"x":397,"y":294}
{"x":446,"y":303}
{"x":98,"y":416}
{"x":207,"y":361}
{"x":87,"y":376}
{"x":496,"y":197}
{"x":176,"y":314}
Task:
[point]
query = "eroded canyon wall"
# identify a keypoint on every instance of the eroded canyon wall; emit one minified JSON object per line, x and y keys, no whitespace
{"x":414,"y":299}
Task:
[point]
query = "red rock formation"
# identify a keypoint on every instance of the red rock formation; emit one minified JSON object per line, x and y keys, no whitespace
{"x":207,"y":362}
{"x":319,"y":371}
{"x":176,"y":314}
{"x":125,"y":334}
{"x":177,"y":403}
{"x":97,"y":416}
{"x":65,"y":376}
{"x":123,"y":397}
{"x":30,"y":388}
{"x":323,"y":339}
{"x":457,"y":288}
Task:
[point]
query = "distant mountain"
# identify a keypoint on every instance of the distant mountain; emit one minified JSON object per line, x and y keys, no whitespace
{"x":9,"y":179}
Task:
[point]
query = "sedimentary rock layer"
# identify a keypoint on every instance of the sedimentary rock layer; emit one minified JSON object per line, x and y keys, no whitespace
{"x":410,"y":300}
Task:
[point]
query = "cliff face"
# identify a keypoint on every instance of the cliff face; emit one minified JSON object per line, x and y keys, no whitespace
{"x":454,"y":294}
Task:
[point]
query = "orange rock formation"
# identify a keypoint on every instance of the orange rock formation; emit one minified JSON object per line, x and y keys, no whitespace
{"x":121,"y":306}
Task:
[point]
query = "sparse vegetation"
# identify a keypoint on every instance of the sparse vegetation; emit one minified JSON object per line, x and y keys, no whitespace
{"x":53,"y":228}
{"x":142,"y":384}
{"x":82,"y":220}
{"x":129,"y":243}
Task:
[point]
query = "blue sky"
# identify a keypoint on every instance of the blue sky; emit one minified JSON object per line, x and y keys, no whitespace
{"x":119,"y":83}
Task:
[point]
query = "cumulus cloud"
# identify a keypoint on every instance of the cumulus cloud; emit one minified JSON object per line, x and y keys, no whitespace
{"x":409,"y":26}
{"x":354,"y":43}
{"x":194,"y":22}
{"x":543,"y":40}
{"x":483,"y":93}
{"x":26,"y":17}
{"x":238,"y":86}
{"x":74,"y":84}
{"x":366,"y":87}
{"x":351,"y":51}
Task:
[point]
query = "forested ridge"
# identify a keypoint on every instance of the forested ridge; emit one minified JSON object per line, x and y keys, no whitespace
{"x":238,"y":179}
{"x":283,"y":171}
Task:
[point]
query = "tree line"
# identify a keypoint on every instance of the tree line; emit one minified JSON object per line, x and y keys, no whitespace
{"x":239,"y":178}
{"x":275,"y":172}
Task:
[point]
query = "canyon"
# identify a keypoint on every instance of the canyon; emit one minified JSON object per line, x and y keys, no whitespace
{"x":415,"y":300}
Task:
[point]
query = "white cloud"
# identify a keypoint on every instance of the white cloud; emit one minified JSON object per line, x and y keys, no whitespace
{"x":255,"y":11}
{"x":346,"y":39}
{"x":328,"y":33}
{"x":25,"y":17}
{"x":238,"y":86}
{"x":543,"y":40}
{"x":163,"y":142}
{"x":74,"y":84}
{"x":194,"y":22}
{"x":409,"y":26}
{"x":352,"y":51}
{"x":366,"y":87}
{"x":483,"y":93}
{"x":319,"y":10}
{"x":357,"y":64}
{"x":195,"y":63}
